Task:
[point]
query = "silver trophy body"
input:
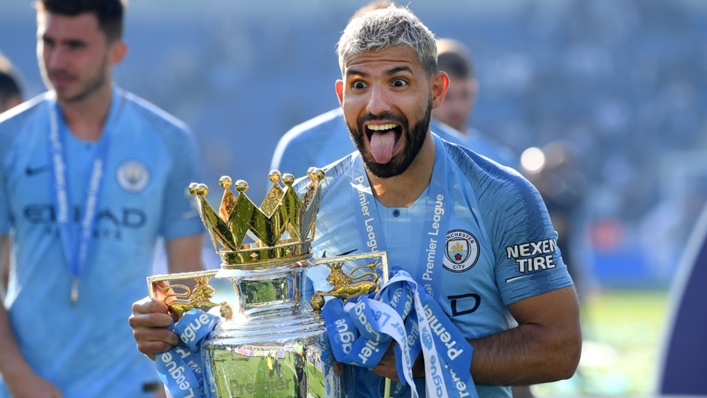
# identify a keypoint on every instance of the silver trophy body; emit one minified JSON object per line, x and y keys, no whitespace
{"x":277,"y":347}
{"x":271,"y":340}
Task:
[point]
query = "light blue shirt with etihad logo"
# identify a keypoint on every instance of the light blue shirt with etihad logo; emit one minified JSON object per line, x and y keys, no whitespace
{"x":87,"y":349}
{"x":500,"y":246}
{"x":325,"y":139}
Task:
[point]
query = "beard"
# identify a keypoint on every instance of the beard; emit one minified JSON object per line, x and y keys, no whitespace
{"x":414,"y":138}
{"x":93,"y":84}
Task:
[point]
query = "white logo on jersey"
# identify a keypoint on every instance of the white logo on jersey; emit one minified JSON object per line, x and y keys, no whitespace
{"x":533,"y":256}
{"x":461,"y":251}
{"x":132,"y":175}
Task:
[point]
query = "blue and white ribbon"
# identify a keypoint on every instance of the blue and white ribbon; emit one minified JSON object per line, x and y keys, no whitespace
{"x":181,"y":368}
{"x":361,"y":332}
{"x":75,"y":246}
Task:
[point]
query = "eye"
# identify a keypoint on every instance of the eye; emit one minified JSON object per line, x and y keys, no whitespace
{"x":359,"y":85}
{"x":75,"y":45}
{"x":399,"y":83}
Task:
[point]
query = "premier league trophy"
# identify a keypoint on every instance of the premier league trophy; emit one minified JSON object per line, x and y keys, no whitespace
{"x":269,"y":340}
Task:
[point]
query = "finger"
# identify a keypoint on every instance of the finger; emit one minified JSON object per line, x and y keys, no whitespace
{"x":152,"y":348}
{"x":338,"y":368}
{"x":159,"y":292}
{"x":150,"y":320}
{"x":155,"y":335}
{"x":152,"y":343}
{"x":387,"y":372}
{"x":148,"y":306}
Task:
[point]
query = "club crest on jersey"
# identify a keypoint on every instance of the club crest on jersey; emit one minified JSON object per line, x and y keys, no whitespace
{"x":132,"y":175}
{"x":461,"y":251}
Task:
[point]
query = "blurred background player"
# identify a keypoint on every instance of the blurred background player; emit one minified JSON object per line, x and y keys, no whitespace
{"x":10,"y":91}
{"x":457,"y":109}
{"x":10,"y":96}
{"x":91,"y":177}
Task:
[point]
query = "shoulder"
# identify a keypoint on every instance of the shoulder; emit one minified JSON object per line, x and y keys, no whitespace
{"x":334,"y":174}
{"x":446,"y":132}
{"x":319,"y":125}
{"x":494,"y":185}
{"x":17,"y":121}
{"x":157,"y":119}
{"x":492,"y":149}
{"x":23,"y":113}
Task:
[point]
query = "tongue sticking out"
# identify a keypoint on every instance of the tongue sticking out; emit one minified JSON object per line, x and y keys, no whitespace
{"x":382,"y":145}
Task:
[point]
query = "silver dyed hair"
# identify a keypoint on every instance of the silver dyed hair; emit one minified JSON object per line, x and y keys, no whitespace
{"x":388,"y":27}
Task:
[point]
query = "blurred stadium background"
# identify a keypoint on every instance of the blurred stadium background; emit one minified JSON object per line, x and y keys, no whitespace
{"x":621,"y":82}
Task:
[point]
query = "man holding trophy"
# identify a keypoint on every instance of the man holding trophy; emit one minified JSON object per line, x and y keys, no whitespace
{"x":472,"y":239}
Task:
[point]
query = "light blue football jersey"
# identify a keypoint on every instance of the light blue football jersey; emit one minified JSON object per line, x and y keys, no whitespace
{"x":87,"y":350}
{"x":325,"y":139}
{"x":500,"y":246}
{"x":483,"y":145}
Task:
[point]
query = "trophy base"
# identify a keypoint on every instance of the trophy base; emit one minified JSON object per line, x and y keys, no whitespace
{"x":272,"y":356}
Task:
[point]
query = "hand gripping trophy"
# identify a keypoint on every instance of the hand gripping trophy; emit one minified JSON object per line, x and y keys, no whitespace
{"x":269,"y":341}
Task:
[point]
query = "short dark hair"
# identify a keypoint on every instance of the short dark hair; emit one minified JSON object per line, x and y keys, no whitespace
{"x":454,"y":58}
{"x":108,"y":12}
{"x":9,"y":82}
{"x":9,"y":87}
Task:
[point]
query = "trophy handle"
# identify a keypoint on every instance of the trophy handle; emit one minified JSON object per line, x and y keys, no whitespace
{"x":382,"y":257}
{"x":347,"y":286}
{"x":199,"y":297}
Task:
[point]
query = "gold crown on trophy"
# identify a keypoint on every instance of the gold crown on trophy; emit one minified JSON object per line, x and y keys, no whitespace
{"x":281,"y":228}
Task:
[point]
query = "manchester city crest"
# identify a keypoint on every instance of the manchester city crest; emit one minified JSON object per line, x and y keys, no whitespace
{"x":461,"y":251}
{"x":132,"y":175}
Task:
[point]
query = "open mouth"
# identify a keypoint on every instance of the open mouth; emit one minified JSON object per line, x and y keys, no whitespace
{"x":383,"y":140}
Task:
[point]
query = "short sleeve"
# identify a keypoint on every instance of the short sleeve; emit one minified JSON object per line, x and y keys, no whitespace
{"x":180,"y":216}
{"x":528,"y":260}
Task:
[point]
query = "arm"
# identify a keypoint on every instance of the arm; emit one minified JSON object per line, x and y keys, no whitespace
{"x":184,"y":254}
{"x":19,"y":376}
{"x":545,"y":346}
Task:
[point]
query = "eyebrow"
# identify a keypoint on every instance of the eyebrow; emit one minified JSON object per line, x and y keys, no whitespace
{"x":389,"y":72}
{"x":397,"y":69}
{"x":352,"y":72}
{"x":45,"y":37}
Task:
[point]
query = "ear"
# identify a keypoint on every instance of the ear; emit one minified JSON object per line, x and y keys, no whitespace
{"x":440,"y":83}
{"x":339,"y":87}
{"x":118,"y":51}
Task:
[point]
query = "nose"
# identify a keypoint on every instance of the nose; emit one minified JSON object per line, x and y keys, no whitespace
{"x":378,"y":101}
{"x":53,"y":57}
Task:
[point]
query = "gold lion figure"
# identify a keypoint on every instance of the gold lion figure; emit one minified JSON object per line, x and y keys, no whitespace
{"x":199,"y":298}
{"x":345,"y":286}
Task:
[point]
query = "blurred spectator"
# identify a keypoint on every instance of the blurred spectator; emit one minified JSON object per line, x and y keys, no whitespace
{"x":10,"y":92}
{"x":562,"y":187}
{"x":91,"y":176}
{"x":458,"y":105}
